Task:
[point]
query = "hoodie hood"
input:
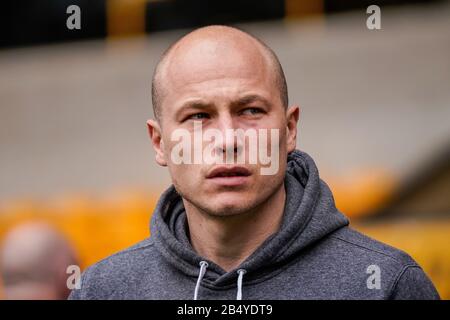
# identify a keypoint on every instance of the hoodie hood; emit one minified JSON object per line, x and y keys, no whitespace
{"x":310,"y":215}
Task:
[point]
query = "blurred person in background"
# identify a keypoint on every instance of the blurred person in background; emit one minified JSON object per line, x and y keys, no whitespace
{"x":33,"y":261}
{"x":226,"y":232}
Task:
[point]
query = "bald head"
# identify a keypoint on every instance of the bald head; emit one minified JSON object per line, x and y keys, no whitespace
{"x":218,"y":51}
{"x":33,"y":262}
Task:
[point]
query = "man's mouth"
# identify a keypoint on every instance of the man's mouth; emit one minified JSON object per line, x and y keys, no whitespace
{"x":228,"y":172}
{"x":229,"y":176}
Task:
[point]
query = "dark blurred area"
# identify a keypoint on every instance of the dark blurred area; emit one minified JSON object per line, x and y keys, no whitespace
{"x":29,"y":22}
{"x":77,"y":176}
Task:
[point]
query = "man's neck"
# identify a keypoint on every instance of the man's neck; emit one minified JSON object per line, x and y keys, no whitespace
{"x":229,"y":240}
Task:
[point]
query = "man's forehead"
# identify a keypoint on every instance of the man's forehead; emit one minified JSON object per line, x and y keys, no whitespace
{"x":210,"y":59}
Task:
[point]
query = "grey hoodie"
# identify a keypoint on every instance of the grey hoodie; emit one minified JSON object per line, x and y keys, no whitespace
{"x":314,"y":255}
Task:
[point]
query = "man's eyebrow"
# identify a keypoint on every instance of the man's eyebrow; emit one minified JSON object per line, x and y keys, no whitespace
{"x":249,"y":99}
{"x":191,"y":104}
{"x":195,"y":104}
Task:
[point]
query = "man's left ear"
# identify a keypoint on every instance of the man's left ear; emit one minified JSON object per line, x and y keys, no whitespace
{"x":292,"y":116}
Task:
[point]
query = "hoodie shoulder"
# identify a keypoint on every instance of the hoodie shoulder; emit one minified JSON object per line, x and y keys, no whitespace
{"x":115,"y":275}
{"x":413,"y":284}
{"x":406,"y":278}
{"x":352,"y":238}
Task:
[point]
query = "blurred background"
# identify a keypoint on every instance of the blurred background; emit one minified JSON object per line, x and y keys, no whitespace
{"x":77,"y":177}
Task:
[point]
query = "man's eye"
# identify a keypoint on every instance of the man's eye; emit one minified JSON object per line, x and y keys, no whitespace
{"x":252,"y":111}
{"x":198,"y":116}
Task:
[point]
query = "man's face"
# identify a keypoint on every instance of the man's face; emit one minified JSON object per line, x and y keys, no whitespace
{"x":224,"y":88}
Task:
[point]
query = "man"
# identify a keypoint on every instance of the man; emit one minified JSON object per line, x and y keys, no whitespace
{"x":233,"y":229}
{"x":33,"y":261}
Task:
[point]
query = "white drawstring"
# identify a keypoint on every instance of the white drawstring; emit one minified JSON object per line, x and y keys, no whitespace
{"x":241,"y":273}
{"x":203,"y":266}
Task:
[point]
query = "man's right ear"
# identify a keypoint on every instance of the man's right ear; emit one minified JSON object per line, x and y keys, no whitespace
{"x":154,"y":131}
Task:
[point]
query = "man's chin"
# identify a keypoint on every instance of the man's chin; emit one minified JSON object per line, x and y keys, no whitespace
{"x":229,"y":207}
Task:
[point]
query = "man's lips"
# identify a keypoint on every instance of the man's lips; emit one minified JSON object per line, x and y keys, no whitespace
{"x":223,"y":171}
{"x":229,"y":176}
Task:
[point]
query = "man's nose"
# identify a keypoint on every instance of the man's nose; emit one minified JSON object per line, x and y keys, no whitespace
{"x":231,"y":144}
